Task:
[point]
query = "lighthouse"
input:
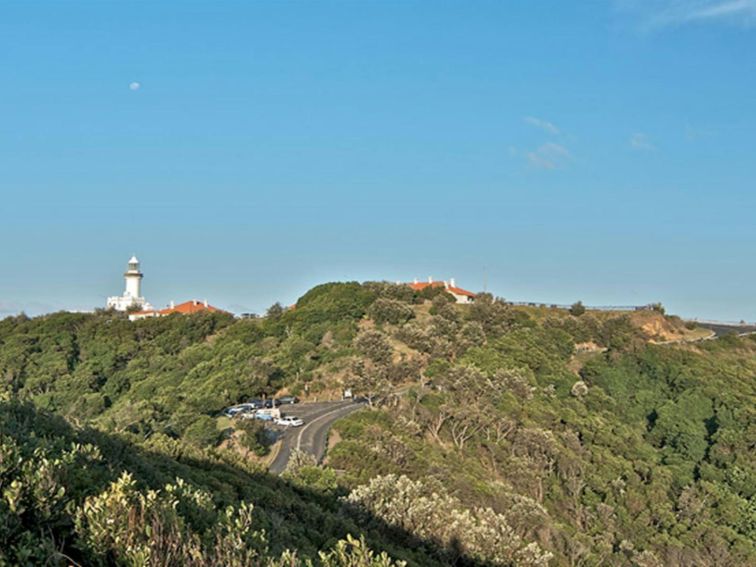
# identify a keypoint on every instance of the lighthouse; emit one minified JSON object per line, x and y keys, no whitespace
{"x":132,"y":296}
{"x":133,"y":279}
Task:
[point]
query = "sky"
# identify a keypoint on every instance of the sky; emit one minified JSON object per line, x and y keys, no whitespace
{"x":245,"y":151}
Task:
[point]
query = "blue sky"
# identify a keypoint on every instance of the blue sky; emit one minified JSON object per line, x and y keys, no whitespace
{"x":245,"y":151}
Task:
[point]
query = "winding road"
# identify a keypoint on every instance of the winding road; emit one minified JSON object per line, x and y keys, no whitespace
{"x":722,"y":329}
{"x":312,"y":437}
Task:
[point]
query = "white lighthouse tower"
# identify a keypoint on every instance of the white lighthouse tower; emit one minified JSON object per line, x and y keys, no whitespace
{"x":132,"y":296}
{"x":133,"y":279}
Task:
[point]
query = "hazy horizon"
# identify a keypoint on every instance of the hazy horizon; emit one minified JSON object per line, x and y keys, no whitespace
{"x":248,"y":151}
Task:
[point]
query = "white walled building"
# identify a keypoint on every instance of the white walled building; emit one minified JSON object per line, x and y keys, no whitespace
{"x":460,"y":295}
{"x":132,"y":296}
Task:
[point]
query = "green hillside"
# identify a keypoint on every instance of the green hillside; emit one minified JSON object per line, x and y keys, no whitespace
{"x":489,"y":440}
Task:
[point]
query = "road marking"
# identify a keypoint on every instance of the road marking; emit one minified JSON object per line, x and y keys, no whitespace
{"x":299,"y":437}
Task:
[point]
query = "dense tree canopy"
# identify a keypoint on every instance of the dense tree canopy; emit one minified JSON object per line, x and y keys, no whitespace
{"x":549,"y":437}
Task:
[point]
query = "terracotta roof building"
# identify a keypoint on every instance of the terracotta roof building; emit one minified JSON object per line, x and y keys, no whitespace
{"x":186,"y":308}
{"x":461,"y":295}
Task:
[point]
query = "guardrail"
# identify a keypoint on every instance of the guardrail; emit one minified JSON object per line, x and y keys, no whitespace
{"x":587,"y":307}
{"x":723,"y":323}
{"x":628,"y":308}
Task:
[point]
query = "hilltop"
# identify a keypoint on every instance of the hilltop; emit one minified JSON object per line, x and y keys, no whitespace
{"x":551,"y":437}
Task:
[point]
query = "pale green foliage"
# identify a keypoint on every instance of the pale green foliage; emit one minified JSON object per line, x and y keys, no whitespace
{"x":303,"y":470}
{"x":349,"y":552}
{"x":35,"y":490}
{"x":579,"y":389}
{"x":355,"y":553}
{"x":152,"y":528}
{"x":516,"y":381}
{"x":146,"y":528}
{"x":478,"y":533}
{"x":375,"y":346}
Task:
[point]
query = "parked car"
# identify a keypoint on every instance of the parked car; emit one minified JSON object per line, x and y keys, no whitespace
{"x":261,"y":404}
{"x":290,"y":421}
{"x":262,"y":416}
{"x":287,"y":400}
{"x":236,"y":410}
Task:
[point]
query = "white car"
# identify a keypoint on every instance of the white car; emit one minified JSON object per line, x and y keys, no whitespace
{"x":290,"y":421}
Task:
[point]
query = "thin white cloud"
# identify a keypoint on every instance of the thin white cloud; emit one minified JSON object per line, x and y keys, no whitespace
{"x":135,"y":86}
{"x":724,"y":9}
{"x":548,"y":156}
{"x":639,"y":141}
{"x":544,"y":125}
{"x":655,"y":14}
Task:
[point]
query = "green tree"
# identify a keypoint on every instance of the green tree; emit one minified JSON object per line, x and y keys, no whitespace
{"x":202,"y":432}
{"x":391,"y":311}
{"x":275,"y":311}
{"x":577,"y":309}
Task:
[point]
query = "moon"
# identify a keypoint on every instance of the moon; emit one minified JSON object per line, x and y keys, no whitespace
{"x":135,"y":85}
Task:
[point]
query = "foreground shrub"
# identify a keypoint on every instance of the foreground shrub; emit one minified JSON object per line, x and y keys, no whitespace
{"x":480,"y":533}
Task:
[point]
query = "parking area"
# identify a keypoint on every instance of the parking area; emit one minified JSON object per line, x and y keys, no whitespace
{"x":272,"y":414}
{"x":296,"y":426}
{"x":312,"y":437}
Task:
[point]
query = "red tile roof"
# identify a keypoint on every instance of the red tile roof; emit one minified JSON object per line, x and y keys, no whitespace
{"x":419,"y":286}
{"x":186,"y":308}
{"x":460,"y":291}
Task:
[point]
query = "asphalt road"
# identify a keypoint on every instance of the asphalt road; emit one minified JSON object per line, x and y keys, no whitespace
{"x":312,"y":437}
{"x":722,"y":329}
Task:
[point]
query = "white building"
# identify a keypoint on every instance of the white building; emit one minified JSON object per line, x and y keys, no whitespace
{"x":132,"y":296}
{"x":460,"y":295}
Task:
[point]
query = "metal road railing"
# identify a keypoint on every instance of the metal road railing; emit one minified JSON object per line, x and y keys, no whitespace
{"x":587,"y":307}
{"x":626,"y":308}
{"x":723,"y":323}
